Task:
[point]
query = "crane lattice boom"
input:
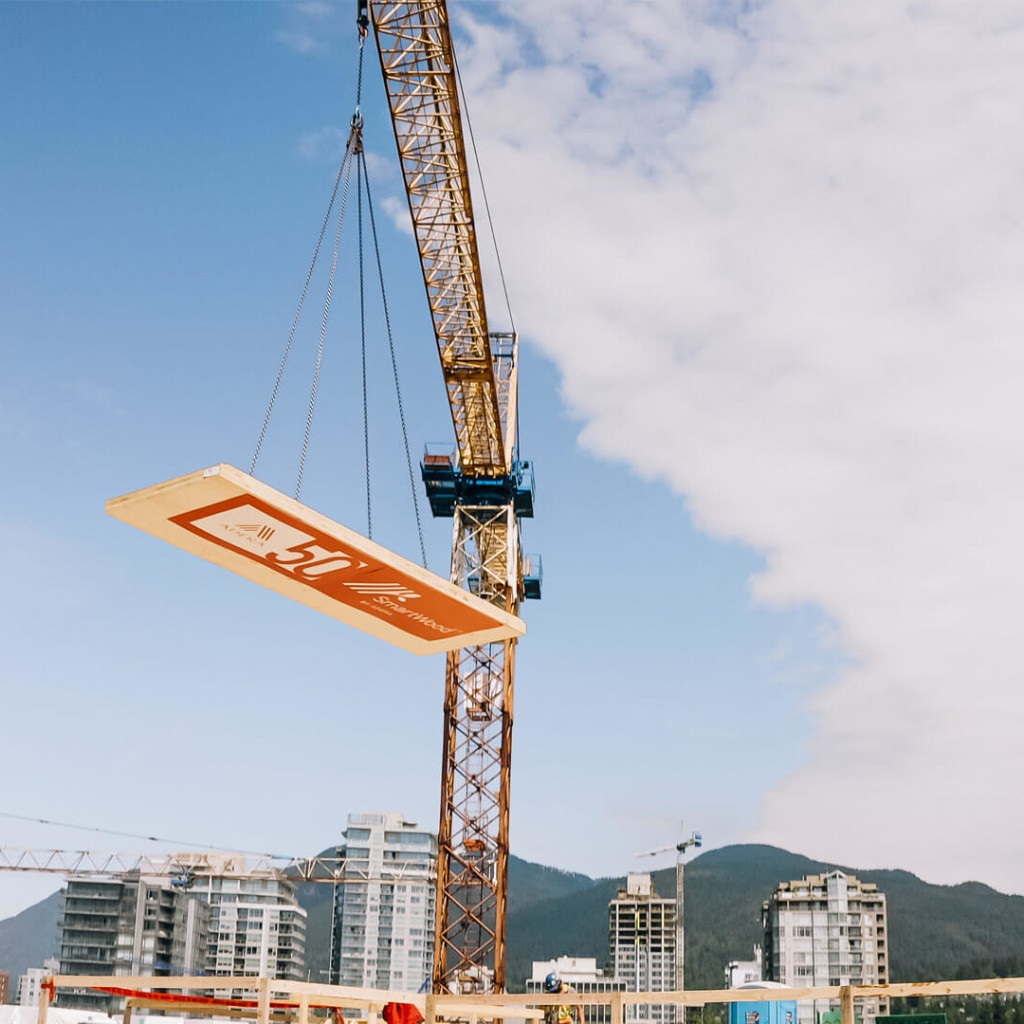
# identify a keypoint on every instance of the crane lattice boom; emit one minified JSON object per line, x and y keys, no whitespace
{"x":415,"y":49}
{"x":190,"y":865}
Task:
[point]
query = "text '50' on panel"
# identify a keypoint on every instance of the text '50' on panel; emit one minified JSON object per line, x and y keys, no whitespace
{"x":233,"y":520}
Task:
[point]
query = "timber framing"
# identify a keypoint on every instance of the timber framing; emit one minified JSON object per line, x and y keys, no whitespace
{"x":293,"y":1000}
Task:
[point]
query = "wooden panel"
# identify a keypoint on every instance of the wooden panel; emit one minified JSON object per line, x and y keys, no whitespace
{"x":235,"y":521}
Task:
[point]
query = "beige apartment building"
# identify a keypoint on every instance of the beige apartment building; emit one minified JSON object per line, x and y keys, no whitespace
{"x":823,"y":930}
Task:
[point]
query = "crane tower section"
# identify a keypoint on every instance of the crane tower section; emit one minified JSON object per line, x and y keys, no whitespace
{"x":482,"y":485}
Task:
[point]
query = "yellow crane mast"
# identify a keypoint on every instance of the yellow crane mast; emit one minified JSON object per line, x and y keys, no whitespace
{"x":482,"y":484}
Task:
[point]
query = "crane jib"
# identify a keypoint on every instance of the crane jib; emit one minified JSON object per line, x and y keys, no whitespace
{"x":418,"y":66}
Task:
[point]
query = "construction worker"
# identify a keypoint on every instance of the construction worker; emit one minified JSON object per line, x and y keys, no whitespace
{"x":560,"y":1014}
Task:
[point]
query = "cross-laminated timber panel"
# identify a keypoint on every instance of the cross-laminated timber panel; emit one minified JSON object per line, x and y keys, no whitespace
{"x":233,"y":520}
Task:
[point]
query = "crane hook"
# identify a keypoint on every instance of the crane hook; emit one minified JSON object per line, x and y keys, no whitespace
{"x":363,"y":18}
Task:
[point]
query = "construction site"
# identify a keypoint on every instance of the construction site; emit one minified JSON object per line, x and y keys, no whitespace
{"x":220,"y":934}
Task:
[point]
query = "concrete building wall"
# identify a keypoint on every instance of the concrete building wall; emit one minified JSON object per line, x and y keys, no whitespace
{"x":29,"y":982}
{"x":383,"y":934}
{"x":829,"y":929}
{"x":743,"y":972}
{"x":256,"y":928}
{"x":642,"y":944}
{"x":125,"y":926}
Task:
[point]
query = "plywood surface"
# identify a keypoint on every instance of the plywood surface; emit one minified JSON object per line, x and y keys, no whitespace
{"x":236,"y":521}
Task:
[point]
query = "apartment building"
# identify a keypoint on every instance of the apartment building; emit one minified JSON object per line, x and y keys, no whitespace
{"x":383,"y":928}
{"x":823,"y":930}
{"x":256,"y":927}
{"x":642,"y":944}
{"x":124,"y":926}
{"x":29,"y":983}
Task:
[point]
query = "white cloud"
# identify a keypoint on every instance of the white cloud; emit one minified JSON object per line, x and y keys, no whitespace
{"x":797,"y":297}
{"x":313,"y":28}
{"x":398,"y":210}
{"x":299,"y":41}
{"x":324,"y":144}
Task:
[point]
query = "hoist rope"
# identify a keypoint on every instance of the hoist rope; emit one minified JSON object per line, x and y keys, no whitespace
{"x":483,"y":189}
{"x":394,"y":361}
{"x":309,"y":277}
{"x":354,"y":153}
{"x":347,"y":162}
{"x":360,"y":174}
{"x":295,"y":321}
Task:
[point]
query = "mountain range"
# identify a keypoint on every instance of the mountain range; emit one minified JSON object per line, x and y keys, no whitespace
{"x":935,"y":931}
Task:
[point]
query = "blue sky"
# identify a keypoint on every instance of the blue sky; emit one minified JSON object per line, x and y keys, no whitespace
{"x":160,"y":217}
{"x":164,"y":172}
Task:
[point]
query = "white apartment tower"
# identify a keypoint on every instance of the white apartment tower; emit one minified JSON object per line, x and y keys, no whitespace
{"x":383,"y":933}
{"x":256,"y":927}
{"x":827,"y":930}
{"x":642,"y":943}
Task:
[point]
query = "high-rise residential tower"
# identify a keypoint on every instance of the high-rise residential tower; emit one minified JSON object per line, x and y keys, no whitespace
{"x":128,"y":925}
{"x":256,"y":927}
{"x":827,"y":930}
{"x":383,"y":933}
{"x":642,"y":943}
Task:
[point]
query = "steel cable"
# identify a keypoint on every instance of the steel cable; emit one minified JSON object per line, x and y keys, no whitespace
{"x":295,"y":321}
{"x":349,"y":152}
{"x":394,"y":361}
{"x":360,"y":174}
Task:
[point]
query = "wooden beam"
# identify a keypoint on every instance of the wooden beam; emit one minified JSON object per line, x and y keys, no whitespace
{"x":212,"y":1009}
{"x":44,"y":1000}
{"x":846,"y":1004}
{"x":331,"y":995}
{"x":974,"y":986}
{"x":263,"y":1017}
{"x":267,"y":991}
{"x":445,"y":1008}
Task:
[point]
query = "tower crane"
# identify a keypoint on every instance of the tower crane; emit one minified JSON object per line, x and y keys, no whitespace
{"x":483,"y":485}
{"x":696,"y":841}
{"x":186,"y":868}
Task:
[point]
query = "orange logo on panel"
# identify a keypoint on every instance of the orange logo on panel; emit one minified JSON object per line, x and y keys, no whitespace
{"x":299,"y":551}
